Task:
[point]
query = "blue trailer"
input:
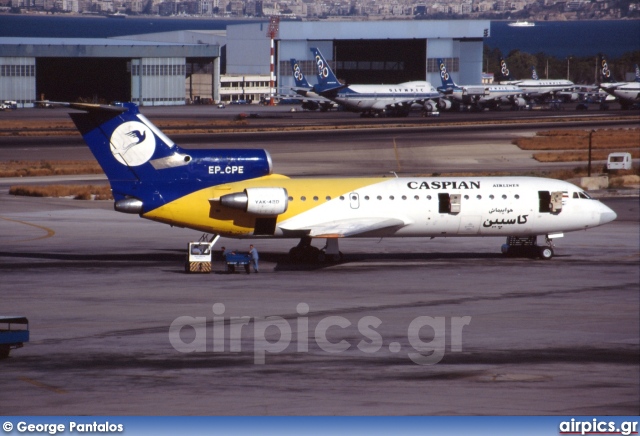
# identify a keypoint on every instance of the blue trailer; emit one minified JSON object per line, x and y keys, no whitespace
{"x":14,"y":332}
{"x":234,"y":259}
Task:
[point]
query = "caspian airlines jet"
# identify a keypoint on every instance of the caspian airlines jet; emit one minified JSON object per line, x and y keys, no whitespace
{"x":480,"y":96}
{"x":538,"y":89}
{"x":627,"y":93}
{"x":233,"y":193}
{"x":374,"y":100}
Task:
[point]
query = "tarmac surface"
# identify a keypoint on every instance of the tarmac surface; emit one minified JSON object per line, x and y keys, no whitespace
{"x":107,"y":298}
{"x":344,"y":143}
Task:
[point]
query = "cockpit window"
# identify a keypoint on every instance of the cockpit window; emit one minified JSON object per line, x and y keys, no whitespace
{"x":575,"y":195}
{"x":584,"y":195}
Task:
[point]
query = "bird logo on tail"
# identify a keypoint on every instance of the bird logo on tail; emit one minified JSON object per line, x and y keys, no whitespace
{"x":132,"y":143}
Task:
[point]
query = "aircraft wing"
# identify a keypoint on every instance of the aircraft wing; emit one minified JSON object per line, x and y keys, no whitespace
{"x":310,"y":95}
{"x":405,"y":102}
{"x":394,"y":103}
{"x":301,"y":91}
{"x":331,"y":91}
{"x":348,"y":227}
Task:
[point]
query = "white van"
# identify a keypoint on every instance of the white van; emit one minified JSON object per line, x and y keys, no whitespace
{"x":9,"y":104}
{"x":619,"y":161}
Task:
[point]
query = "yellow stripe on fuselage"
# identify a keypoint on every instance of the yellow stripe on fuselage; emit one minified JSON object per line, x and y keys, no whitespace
{"x":197,"y":212}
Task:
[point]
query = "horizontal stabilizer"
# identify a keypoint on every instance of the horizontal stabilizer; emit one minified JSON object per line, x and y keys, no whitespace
{"x":88,"y":107}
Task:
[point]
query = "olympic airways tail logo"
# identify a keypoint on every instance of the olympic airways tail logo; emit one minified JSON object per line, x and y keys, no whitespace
{"x":637,"y":72}
{"x":323,"y":70}
{"x":534,"y":73}
{"x":503,"y":68}
{"x":297,"y":73}
{"x":605,"y":69}
{"x":132,"y":143}
{"x":443,"y":71}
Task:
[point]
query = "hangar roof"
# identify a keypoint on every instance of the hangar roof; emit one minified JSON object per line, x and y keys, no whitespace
{"x":102,"y":47}
{"x":214,"y":37}
{"x":387,"y":29}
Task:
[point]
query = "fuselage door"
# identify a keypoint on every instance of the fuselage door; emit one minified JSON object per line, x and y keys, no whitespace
{"x":354,"y":199}
{"x":550,"y":202}
{"x":544,"y":198}
{"x":449,"y":203}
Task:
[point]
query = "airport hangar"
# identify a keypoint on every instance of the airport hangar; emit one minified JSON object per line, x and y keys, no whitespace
{"x":171,"y":68}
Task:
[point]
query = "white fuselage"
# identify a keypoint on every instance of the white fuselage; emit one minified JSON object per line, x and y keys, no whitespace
{"x":380,"y":97}
{"x":494,"y":206}
{"x":485,"y":93}
{"x":535,"y":88}
{"x":627,"y":91}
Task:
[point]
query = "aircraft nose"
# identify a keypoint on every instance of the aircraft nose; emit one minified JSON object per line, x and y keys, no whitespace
{"x":606,"y":215}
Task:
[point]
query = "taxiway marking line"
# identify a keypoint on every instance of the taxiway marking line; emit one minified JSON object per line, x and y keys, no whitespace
{"x":395,"y":150}
{"x":43,"y":385}
{"x":49,"y":234}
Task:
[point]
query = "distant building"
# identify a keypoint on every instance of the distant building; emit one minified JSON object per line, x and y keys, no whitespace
{"x":175,"y":68}
{"x":249,"y":88}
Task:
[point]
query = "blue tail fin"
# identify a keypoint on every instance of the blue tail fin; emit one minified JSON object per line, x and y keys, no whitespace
{"x":534,"y":73}
{"x":637,"y":72}
{"x":300,"y":79}
{"x":123,"y":141}
{"x":327,"y":81}
{"x":504,"y":73}
{"x":445,"y":78}
{"x":605,"y":73}
{"x":144,"y":165}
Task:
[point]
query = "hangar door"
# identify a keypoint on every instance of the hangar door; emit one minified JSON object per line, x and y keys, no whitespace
{"x":158,"y":81}
{"x":100,"y":80}
{"x":380,"y":61}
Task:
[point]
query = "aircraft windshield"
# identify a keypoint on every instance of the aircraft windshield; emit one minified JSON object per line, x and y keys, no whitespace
{"x":581,"y":194}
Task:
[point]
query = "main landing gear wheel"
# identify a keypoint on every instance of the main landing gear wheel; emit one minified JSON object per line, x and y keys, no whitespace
{"x":304,"y":252}
{"x":330,"y":258}
{"x":546,"y":253}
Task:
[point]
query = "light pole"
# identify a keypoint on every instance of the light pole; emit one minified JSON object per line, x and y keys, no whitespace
{"x":591,"y":132}
{"x":568,"y":59}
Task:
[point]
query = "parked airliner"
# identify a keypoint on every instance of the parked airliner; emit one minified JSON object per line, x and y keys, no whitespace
{"x":233,"y":193}
{"x":627,"y":93}
{"x":374,"y":100}
{"x":536,"y":88}
{"x":478,"y":96}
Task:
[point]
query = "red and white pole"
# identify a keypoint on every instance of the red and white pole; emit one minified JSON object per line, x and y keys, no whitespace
{"x":272,"y":77}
